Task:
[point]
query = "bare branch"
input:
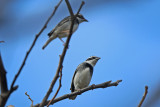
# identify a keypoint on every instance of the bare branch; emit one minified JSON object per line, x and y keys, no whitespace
{"x":69,"y":8}
{"x":3,"y":84}
{"x":5,"y":93}
{"x":80,"y":7}
{"x":144,"y":96}
{"x":3,"y":99}
{"x":36,"y":37}
{"x":29,"y":98}
{"x":91,"y":87}
{"x":60,"y":85}
{"x":3,"y":79}
{"x":61,"y":58}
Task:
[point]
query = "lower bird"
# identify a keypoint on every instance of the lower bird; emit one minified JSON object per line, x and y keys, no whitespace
{"x":83,"y":75}
{"x":63,"y":28}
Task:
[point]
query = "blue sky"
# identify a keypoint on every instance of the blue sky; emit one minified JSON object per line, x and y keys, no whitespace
{"x":125,"y":34}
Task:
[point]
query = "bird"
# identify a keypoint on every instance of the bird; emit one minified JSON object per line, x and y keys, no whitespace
{"x":83,"y":74}
{"x":63,"y":28}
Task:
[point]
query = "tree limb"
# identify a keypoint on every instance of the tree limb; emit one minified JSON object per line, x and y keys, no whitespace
{"x":80,"y":7}
{"x":5,"y":93}
{"x":91,"y":87}
{"x":69,"y":8}
{"x":36,"y":37}
{"x":3,"y":99}
{"x":60,"y":85}
{"x":3,"y":79}
{"x":144,"y":96}
{"x":29,"y":98}
{"x":3,"y":84}
{"x":61,"y":58}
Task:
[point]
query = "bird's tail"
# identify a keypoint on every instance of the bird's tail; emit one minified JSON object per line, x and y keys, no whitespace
{"x":73,"y":97}
{"x":48,"y":41}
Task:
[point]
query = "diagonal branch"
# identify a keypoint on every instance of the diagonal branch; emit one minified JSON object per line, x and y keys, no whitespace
{"x":91,"y":87}
{"x":3,"y":99}
{"x":60,"y":85}
{"x":5,"y":93}
{"x":3,"y":79}
{"x":36,"y":37}
{"x":3,"y":84}
{"x":80,"y":7}
{"x":144,"y":96}
{"x":29,"y":98}
{"x":61,"y":58}
{"x":69,"y":8}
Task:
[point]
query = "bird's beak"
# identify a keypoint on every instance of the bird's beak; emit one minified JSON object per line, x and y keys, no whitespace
{"x":98,"y":58}
{"x":85,"y":20}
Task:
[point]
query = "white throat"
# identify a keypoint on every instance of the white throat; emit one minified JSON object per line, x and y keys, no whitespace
{"x":80,"y":20}
{"x":92,"y":62}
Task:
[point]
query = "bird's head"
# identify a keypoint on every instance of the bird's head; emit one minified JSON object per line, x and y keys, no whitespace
{"x":93,"y":60}
{"x":81,"y":18}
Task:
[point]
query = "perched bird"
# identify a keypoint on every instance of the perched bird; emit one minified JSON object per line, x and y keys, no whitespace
{"x":63,"y":28}
{"x":83,"y":75}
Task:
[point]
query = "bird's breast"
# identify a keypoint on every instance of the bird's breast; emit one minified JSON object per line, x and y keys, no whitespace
{"x":82,"y":79}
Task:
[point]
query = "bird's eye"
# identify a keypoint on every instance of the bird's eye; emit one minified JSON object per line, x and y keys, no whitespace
{"x":80,"y":16}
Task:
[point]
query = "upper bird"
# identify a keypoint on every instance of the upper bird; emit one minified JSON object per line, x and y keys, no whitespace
{"x":83,"y":75}
{"x":63,"y":28}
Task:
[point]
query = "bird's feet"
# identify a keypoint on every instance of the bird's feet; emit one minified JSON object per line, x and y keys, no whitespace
{"x":61,"y":40}
{"x":78,"y":90}
{"x":64,"y":43}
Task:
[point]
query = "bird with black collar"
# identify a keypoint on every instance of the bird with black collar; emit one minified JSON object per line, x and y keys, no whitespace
{"x":83,"y":75}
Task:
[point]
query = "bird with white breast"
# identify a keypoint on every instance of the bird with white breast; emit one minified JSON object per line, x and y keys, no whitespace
{"x":83,"y":75}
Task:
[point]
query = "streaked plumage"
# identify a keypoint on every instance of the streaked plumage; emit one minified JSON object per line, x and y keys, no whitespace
{"x":63,"y":27}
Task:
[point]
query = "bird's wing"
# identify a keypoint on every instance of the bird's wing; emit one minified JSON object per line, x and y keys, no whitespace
{"x":72,"y":84}
{"x":66,"y":19}
{"x":51,"y":32}
{"x":59,"y":24}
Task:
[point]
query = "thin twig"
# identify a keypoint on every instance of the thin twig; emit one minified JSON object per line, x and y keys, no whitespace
{"x":3,"y":84}
{"x":91,"y":87}
{"x":144,"y":96}
{"x":80,"y":7}
{"x":36,"y":37}
{"x":61,"y":58}
{"x":69,"y":8}
{"x":12,"y":87}
{"x":29,"y":98}
{"x":3,"y":79}
{"x":5,"y":93}
{"x":60,"y":85}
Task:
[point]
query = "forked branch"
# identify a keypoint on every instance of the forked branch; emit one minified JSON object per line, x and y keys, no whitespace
{"x":91,"y":87}
{"x":4,"y":98}
{"x":61,"y":56}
